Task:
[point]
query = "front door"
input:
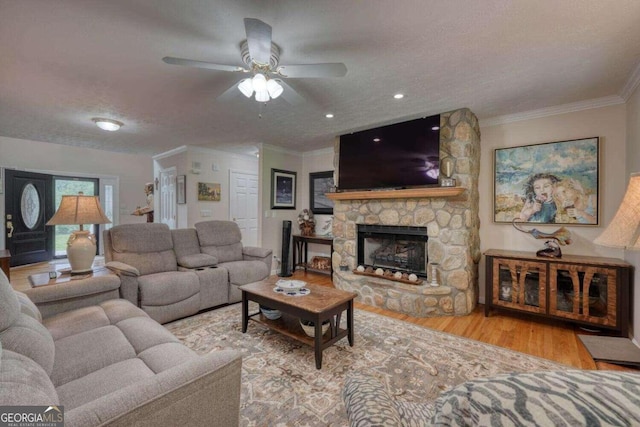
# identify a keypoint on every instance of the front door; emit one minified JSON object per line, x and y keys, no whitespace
{"x":28,"y":206}
{"x":168,"y":197}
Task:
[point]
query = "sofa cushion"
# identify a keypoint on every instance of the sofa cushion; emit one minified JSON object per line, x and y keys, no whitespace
{"x":243,"y":272}
{"x":24,"y":382}
{"x":221,"y":239}
{"x":141,"y":238}
{"x":84,"y":319}
{"x":102,"y":382}
{"x":165,"y":356}
{"x":28,"y":337}
{"x":28,"y":307}
{"x":167,"y":288}
{"x":81,"y":354}
{"x":9,"y":304}
{"x":150,"y":262}
{"x":144,"y":333}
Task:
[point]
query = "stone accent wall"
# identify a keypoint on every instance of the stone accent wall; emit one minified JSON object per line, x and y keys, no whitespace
{"x":452,"y":225}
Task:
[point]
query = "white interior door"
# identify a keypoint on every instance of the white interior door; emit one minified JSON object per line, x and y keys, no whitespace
{"x":168,"y":197}
{"x":243,"y":204}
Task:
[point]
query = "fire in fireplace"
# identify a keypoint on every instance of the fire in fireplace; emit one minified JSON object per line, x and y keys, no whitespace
{"x":398,"y":248}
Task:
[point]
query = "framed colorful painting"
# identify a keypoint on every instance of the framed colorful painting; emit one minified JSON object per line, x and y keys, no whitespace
{"x":550,"y":183}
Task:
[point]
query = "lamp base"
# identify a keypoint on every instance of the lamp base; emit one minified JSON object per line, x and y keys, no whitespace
{"x":81,"y":250}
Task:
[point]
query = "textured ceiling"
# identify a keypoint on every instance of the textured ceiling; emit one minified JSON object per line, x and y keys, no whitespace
{"x":63,"y":62}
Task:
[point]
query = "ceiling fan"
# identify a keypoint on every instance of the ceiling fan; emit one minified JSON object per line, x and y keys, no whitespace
{"x":262,"y":59}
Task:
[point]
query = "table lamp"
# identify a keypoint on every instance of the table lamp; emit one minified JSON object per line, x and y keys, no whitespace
{"x":624,"y":230}
{"x":81,"y":246}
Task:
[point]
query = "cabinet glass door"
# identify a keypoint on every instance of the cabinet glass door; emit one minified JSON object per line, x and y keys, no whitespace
{"x":583,"y":293}
{"x":519,"y":284}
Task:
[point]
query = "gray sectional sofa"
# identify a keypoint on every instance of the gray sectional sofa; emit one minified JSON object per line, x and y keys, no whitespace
{"x":109,"y":364}
{"x":172,"y":274}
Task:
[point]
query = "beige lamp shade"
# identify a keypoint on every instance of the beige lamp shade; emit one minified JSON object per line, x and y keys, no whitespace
{"x":79,"y":210}
{"x":81,"y":247}
{"x":624,"y":230}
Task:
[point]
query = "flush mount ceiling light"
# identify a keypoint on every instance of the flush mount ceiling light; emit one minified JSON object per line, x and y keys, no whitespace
{"x":107,"y":124}
{"x":264,"y":89}
{"x":398,"y":96}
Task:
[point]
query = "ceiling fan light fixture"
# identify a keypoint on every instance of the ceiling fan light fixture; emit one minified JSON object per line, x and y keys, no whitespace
{"x":246,"y":87}
{"x":107,"y":124}
{"x":259,"y":83}
{"x":262,"y":96}
{"x":274,"y":89}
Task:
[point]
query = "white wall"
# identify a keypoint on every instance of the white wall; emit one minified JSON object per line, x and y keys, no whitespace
{"x":315,"y":161}
{"x":134,"y":170}
{"x":275,"y":158}
{"x":609,"y":123}
{"x":633,"y":165}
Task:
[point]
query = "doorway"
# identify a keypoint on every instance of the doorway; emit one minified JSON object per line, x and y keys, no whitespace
{"x":243,"y":205}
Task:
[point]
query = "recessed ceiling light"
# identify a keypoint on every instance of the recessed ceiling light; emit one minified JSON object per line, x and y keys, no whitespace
{"x":107,"y":124}
{"x":398,"y":96}
{"x":435,"y":128}
{"x":329,"y":115}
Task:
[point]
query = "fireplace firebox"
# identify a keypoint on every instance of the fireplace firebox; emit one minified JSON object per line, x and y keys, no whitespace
{"x":398,"y":248}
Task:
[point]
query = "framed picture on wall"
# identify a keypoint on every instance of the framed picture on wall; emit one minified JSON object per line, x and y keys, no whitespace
{"x":283,"y":189}
{"x":208,"y":192}
{"x":321,"y":183}
{"x":181,"y":184}
{"x":550,"y":183}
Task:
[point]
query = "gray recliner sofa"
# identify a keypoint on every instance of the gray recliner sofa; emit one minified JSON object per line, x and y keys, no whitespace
{"x":172,"y":274}
{"x":110,"y":364}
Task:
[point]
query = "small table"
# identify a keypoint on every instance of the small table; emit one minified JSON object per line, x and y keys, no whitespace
{"x":300,"y":247}
{"x":62,"y":276}
{"x":322,"y":303}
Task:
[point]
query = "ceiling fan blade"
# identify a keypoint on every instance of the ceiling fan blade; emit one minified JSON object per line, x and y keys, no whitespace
{"x":202,"y":64}
{"x":290,"y":95}
{"x":259,"y":40}
{"x":313,"y":70}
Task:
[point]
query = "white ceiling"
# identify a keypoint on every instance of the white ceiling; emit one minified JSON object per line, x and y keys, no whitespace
{"x":63,"y":62}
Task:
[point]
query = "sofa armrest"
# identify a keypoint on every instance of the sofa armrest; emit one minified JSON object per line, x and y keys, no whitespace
{"x":74,"y":294}
{"x":122,"y":269}
{"x":201,"y":392}
{"x":255,"y":252}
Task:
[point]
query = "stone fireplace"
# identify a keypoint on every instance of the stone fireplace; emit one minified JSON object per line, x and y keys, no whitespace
{"x":443,"y":226}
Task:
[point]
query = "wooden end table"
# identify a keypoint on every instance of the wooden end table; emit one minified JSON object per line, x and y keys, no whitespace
{"x":321,"y":304}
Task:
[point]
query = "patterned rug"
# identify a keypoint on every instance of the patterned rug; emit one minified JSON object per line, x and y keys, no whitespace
{"x":282,"y":387}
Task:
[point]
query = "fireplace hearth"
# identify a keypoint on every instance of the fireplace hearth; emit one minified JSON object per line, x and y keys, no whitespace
{"x":398,"y":248}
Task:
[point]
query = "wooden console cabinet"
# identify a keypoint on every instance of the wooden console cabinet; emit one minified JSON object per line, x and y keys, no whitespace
{"x":590,"y":291}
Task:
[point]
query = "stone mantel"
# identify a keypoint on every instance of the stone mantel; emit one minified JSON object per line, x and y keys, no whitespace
{"x":408,"y":193}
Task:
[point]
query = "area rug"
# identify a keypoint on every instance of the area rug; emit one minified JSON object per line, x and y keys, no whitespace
{"x":282,"y":387}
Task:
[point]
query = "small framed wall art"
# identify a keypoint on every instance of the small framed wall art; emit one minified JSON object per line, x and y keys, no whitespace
{"x":208,"y":192}
{"x":181,"y":190}
{"x":283,"y":189}
{"x":321,"y":183}
{"x":550,"y":183}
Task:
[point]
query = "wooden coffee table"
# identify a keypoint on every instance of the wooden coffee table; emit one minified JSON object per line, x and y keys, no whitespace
{"x":322,"y":303}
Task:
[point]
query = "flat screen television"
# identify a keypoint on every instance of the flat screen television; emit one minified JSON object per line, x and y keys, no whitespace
{"x":400,"y":155}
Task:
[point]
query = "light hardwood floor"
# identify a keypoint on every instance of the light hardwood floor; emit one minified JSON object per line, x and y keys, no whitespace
{"x":548,"y":339}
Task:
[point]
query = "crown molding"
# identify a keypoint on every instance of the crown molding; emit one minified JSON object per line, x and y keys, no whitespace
{"x":553,"y":111}
{"x":282,"y":150}
{"x":170,"y":153}
{"x":318,"y":152}
{"x":632,"y":84}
